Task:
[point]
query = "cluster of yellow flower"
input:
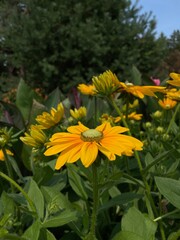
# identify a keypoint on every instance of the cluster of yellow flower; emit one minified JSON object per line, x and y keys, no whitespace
{"x":81,"y":142}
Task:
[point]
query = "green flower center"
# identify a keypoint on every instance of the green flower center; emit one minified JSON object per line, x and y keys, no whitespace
{"x":91,"y":135}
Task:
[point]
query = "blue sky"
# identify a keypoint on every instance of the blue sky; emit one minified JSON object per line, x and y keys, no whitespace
{"x":166,"y":12}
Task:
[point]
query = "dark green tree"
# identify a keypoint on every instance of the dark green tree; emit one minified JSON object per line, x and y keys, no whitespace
{"x":62,"y":43}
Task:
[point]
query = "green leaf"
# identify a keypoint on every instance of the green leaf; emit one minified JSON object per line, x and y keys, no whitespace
{"x":14,"y":115}
{"x":134,"y":221}
{"x":120,"y":199}
{"x":127,"y":236}
{"x":63,"y":218}
{"x":36,"y":196}
{"x":136,"y":76}
{"x":24,"y":99}
{"x":33,"y":231}
{"x":55,"y":199}
{"x":8,"y":204}
{"x":45,"y":234}
{"x":53,"y":99}
{"x":76,"y":182}
{"x":170,"y":189}
{"x":11,"y":237}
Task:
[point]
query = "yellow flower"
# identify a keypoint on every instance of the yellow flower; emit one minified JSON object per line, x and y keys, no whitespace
{"x":2,"y":158}
{"x":167,"y":103}
{"x":135,"y":116}
{"x":108,"y":118}
{"x":36,"y":138}
{"x":87,"y":89}
{"x":134,"y":104}
{"x":140,"y":91}
{"x":173,"y":94}
{"x":78,"y":114}
{"x":106,"y":83}
{"x":83,"y":143}
{"x":176,"y":79}
{"x":47,"y":120}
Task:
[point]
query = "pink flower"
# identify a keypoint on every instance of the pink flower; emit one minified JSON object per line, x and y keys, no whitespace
{"x":156,"y":81}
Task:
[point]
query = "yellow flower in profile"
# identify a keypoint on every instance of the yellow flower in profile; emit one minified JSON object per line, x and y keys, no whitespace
{"x":87,"y":89}
{"x":2,"y":158}
{"x":78,"y":114}
{"x":167,"y":103}
{"x":135,"y":116}
{"x":106,"y":83}
{"x":36,"y":137}
{"x":173,"y":94}
{"x":140,"y":91}
{"x":47,"y":120}
{"x":108,"y":118}
{"x":175,"y":79}
{"x":83,"y":143}
{"x":134,"y":104}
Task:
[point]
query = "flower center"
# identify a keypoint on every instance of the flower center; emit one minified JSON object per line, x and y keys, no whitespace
{"x":91,"y":135}
{"x":129,"y":84}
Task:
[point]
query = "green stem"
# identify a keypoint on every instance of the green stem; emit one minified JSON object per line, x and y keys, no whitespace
{"x":31,"y":204}
{"x":173,"y":119}
{"x":147,"y":187}
{"x":9,"y":168}
{"x":166,"y":215}
{"x":92,"y":233}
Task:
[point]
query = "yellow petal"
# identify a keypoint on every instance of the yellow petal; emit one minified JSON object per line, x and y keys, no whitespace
{"x":89,"y":153}
{"x":61,"y":161}
{"x":78,"y":129}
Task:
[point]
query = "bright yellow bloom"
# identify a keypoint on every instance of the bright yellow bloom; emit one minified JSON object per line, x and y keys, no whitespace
{"x":36,"y":138}
{"x":108,"y":118}
{"x":2,"y":158}
{"x":47,"y":120}
{"x":78,"y":114}
{"x":87,"y":89}
{"x":173,"y":94}
{"x":106,"y":83}
{"x":83,"y":143}
{"x":167,"y":103}
{"x":135,"y":116}
{"x":140,"y":91}
{"x":176,"y":79}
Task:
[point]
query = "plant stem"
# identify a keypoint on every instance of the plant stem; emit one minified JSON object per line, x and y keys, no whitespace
{"x":92,"y":232}
{"x":172,"y":119}
{"x":147,"y":187}
{"x":166,"y":215}
{"x":9,"y":168}
{"x":31,"y":204}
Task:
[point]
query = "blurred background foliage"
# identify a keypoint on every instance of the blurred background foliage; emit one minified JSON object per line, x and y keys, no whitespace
{"x":62,"y":43}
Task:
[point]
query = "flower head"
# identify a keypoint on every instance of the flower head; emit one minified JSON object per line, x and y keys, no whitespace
{"x":173,"y":94}
{"x":5,"y":137}
{"x":175,"y":79}
{"x":140,"y":91}
{"x":135,"y":116}
{"x":47,"y":120}
{"x":2,"y":157}
{"x":78,"y":114}
{"x":106,"y":83}
{"x":83,"y":143}
{"x":167,"y":103}
{"x":36,"y":138}
{"x":87,"y":89}
{"x":108,"y":118}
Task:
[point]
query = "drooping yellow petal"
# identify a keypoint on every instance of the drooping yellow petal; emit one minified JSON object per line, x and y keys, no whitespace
{"x":89,"y":153}
{"x":62,"y":159}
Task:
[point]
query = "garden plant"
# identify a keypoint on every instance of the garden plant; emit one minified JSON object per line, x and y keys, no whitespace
{"x":100,"y":164}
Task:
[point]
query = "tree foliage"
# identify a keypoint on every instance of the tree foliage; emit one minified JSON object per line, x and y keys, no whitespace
{"x":61,"y":43}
